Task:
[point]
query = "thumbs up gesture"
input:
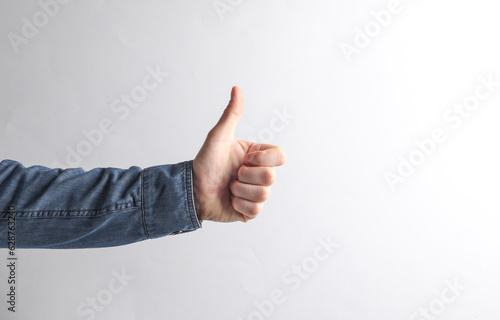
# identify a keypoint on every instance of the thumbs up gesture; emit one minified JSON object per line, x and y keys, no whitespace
{"x":232,"y":178}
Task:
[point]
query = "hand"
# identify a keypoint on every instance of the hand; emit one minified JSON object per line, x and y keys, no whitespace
{"x":232,"y":178}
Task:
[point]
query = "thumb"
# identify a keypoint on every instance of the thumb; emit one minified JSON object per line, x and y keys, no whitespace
{"x":227,"y":123}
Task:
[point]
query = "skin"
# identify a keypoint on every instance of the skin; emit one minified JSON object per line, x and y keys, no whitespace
{"x":232,"y":178}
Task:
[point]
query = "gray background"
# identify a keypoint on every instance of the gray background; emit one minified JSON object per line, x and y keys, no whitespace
{"x":351,"y":119}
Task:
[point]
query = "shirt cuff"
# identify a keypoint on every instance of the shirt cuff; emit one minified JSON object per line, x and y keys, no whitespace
{"x":168,"y":200}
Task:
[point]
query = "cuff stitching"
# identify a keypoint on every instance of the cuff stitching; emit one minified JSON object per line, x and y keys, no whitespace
{"x":190,"y":193}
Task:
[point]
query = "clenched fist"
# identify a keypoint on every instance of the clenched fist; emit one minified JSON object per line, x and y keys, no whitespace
{"x":232,"y":178}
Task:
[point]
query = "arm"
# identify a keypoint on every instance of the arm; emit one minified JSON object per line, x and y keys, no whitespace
{"x":229,"y":180}
{"x":103,"y":207}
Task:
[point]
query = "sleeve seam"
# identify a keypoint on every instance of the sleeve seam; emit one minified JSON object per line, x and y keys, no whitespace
{"x":143,"y":210}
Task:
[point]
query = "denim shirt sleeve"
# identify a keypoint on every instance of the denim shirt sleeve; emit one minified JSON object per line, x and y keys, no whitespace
{"x":102,"y":207}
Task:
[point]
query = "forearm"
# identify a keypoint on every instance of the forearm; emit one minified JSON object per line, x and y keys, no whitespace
{"x":103,"y":207}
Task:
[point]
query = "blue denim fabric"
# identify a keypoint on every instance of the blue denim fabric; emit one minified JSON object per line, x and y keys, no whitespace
{"x":102,"y":207}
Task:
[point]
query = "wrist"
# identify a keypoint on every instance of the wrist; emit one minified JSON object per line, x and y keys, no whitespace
{"x":197,"y":206}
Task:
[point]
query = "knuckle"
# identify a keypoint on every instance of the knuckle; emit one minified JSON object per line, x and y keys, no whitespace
{"x":264,"y":193}
{"x":269,"y":175}
{"x":211,"y":133}
{"x":254,"y":210}
{"x":268,"y":192}
{"x":258,"y":207}
{"x":282,"y":158}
